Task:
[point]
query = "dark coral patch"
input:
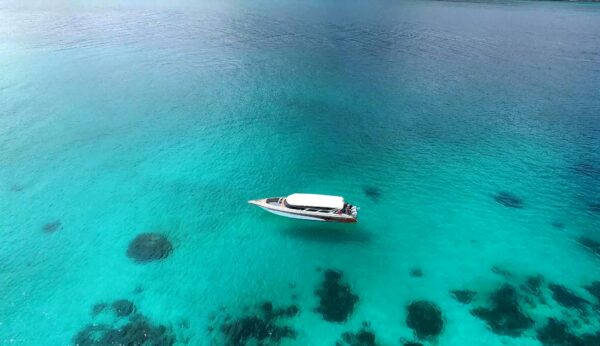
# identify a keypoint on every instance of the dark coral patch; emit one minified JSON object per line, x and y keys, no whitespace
{"x":558,"y":225}
{"x":98,"y":308}
{"x":556,"y":333}
{"x":504,"y":316}
{"x":92,"y":335}
{"x":184,"y":323}
{"x":416,"y":273}
{"x":240,"y":331}
{"x":463,"y":296}
{"x":533,"y":284}
{"x":567,"y":298}
{"x":501,"y":271}
{"x":590,"y":244}
{"x":261,"y":328}
{"x":364,"y":337}
{"x":141,"y":331}
{"x":133,"y":330}
{"x":425,"y":318}
{"x":290,"y":311}
{"x":373,"y":193}
{"x":148,"y":247}
{"x":336,"y":299}
{"x":267,"y":307}
{"x":594,"y":207}
{"x":591,"y":339}
{"x":52,"y":227}
{"x":123,"y":307}
{"x":508,"y":199}
{"x":594,"y":289}
{"x":138,"y":331}
{"x":270,"y":313}
{"x":533,"y":288}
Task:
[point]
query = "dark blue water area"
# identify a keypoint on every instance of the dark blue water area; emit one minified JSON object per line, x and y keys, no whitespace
{"x":133,"y":134}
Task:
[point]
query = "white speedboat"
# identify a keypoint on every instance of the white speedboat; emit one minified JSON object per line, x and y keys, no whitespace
{"x":309,"y":207}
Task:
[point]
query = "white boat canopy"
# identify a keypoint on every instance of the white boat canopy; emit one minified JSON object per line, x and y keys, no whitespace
{"x":313,"y":200}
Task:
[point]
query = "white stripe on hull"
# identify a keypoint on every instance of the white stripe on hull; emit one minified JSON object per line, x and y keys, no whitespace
{"x":293,"y":216}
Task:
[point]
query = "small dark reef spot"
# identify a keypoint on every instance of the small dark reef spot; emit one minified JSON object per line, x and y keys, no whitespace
{"x":98,"y":308}
{"x":558,"y":225}
{"x":425,"y":318}
{"x":416,"y":273}
{"x":373,"y":193}
{"x":52,"y":227}
{"x":123,"y":307}
{"x":463,"y":296}
{"x":148,"y":247}
{"x":504,"y":316}
{"x":508,"y":199}
{"x":533,"y":285}
{"x":501,"y":271}
{"x":336,"y":299}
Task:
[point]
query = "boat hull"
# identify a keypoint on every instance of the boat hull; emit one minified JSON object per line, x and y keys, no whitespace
{"x":296,"y":214}
{"x":302,"y":217}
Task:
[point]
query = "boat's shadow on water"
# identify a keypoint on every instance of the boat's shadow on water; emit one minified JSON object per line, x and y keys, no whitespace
{"x":328,"y":233}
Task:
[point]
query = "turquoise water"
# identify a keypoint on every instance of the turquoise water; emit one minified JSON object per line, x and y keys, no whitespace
{"x":124,"y":118}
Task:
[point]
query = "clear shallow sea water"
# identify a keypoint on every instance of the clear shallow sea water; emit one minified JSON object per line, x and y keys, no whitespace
{"x":123,"y":118}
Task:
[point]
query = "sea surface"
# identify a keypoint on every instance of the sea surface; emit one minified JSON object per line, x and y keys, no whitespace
{"x":468,"y":133}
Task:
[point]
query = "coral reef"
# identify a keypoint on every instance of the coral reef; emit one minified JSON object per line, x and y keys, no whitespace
{"x":336,"y":299}
{"x":504,"y":316}
{"x":52,"y":227}
{"x":425,"y":318}
{"x":508,"y":199}
{"x":463,"y":296}
{"x":261,"y":327}
{"x":148,"y":247}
